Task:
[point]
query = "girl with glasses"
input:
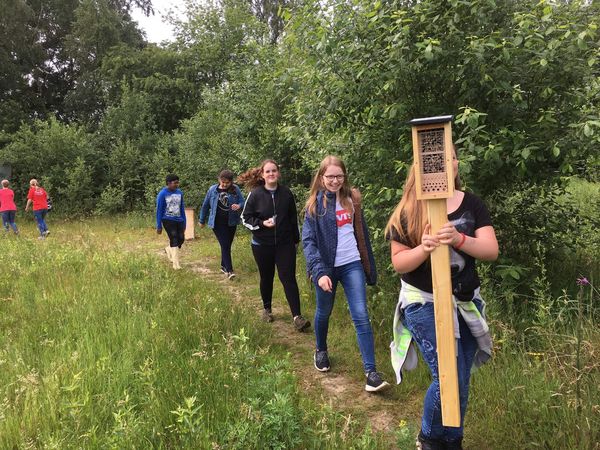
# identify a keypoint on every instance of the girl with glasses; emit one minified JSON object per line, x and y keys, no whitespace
{"x":337,"y":249}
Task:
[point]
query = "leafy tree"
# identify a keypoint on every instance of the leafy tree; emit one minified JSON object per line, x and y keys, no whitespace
{"x":50,"y":50}
{"x":166,"y":76}
{"x":270,"y":12}
{"x":20,"y":53}
{"x":49,"y":151}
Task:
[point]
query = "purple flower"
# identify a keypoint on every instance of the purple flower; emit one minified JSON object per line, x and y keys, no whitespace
{"x":583,"y":281}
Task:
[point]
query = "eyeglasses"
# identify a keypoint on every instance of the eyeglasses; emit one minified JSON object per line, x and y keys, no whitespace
{"x":334,"y":177}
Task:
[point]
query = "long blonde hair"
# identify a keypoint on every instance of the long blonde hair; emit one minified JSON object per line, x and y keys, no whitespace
{"x":253,"y":177}
{"x":345,"y":192}
{"x":410,"y":216}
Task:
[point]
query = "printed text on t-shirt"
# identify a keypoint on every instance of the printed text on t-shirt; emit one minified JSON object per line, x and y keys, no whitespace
{"x":343,"y":217}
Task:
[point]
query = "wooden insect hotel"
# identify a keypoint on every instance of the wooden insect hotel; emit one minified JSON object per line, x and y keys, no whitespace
{"x":432,"y":151}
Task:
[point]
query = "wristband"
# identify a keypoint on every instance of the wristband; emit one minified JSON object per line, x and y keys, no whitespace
{"x":462,"y":241}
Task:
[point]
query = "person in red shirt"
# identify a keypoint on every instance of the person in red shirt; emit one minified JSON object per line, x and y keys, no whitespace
{"x":8,"y":207}
{"x":39,"y":198}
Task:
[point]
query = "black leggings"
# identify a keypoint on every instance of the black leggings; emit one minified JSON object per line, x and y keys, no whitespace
{"x":175,"y":231}
{"x":225,"y":235}
{"x":283,"y":256}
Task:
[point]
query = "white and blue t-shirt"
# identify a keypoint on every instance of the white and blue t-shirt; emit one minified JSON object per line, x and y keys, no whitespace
{"x":347,"y":248}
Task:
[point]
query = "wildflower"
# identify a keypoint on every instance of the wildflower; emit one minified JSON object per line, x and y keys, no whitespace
{"x":583,"y":281}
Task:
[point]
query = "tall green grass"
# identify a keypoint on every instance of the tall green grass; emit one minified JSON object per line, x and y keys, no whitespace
{"x":104,"y":346}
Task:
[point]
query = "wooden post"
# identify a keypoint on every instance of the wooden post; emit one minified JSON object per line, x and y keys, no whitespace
{"x":432,"y":150}
{"x":190,"y":223}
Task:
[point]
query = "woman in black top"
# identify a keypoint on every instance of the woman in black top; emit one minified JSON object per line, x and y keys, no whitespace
{"x":470,"y":236}
{"x":270,"y":213}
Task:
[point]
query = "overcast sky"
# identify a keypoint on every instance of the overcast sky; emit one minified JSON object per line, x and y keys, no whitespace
{"x":156,"y":30}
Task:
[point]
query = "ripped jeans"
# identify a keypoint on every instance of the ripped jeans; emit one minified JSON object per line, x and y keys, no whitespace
{"x":419,"y":320}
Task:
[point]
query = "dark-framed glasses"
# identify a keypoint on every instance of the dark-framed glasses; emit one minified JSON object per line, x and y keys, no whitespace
{"x":334,"y":177}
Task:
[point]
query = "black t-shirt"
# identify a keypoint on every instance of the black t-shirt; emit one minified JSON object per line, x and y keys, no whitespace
{"x":470,"y":215}
{"x":222,"y":217}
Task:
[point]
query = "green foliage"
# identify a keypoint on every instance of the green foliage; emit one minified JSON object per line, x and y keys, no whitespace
{"x":58,"y":155}
{"x":168,"y":80}
{"x":112,"y":200}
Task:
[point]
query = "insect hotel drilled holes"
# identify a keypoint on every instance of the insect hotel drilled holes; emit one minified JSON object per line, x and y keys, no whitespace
{"x":432,"y":152}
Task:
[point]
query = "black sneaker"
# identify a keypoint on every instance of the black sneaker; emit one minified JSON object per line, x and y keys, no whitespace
{"x":456,"y":444}
{"x":230,"y":275}
{"x":322,"y":361}
{"x":375,"y":383}
{"x":301,"y":323}
{"x":223,"y":271}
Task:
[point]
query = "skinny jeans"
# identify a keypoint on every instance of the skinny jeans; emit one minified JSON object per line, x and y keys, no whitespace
{"x":175,"y":231}
{"x":352,"y":278}
{"x":40,"y":216}
{"x":225,"y":235}
{"x":420,"y":321}
{"x":8,"y":219}
{"x":282,"y":256}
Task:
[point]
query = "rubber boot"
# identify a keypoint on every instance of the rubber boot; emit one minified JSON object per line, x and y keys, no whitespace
{"x":175,"y":256}
{"x":168,"y":252}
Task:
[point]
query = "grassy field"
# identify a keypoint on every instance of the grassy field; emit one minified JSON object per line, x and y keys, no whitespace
{"x":102,"y":345}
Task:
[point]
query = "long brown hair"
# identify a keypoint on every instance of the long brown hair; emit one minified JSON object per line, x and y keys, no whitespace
{"x":410,"y":215}
{"x":345,"y":192}
{"x":253,"y":177}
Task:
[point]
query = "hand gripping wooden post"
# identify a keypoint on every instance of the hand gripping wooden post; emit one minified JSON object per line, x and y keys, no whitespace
{"x":432,"y":150}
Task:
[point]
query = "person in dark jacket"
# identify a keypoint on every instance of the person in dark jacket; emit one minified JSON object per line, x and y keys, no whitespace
{"x":223,"y":204}
{"x":270,"y":213}
{"x":170,"y":214}
{"x":337,"y":249}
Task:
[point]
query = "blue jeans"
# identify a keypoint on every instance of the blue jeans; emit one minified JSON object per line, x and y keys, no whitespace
{"x":8,"y":218}
{"x":419,"y":320}
{"x":352,"y":277}
{"x":40,"y":215}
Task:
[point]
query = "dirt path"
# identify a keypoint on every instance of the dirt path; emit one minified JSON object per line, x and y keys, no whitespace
{"x":342,"y":392}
